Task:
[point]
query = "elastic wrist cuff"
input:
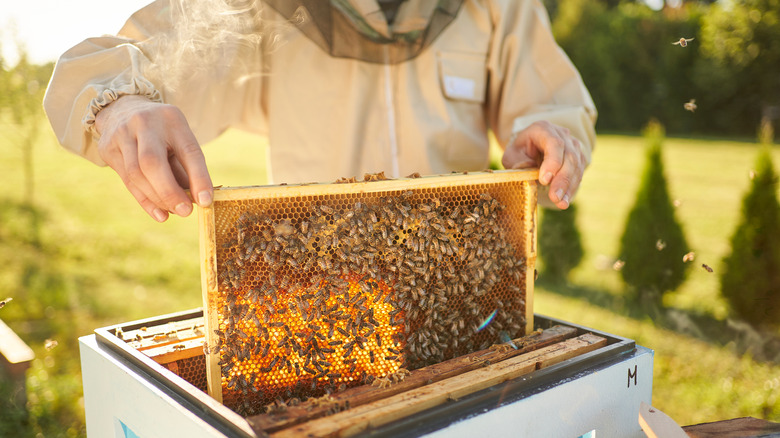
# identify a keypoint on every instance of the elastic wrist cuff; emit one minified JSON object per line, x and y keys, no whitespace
{"x":139,"y":87}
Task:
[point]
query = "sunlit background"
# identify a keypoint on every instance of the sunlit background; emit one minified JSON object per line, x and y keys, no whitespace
{"x":48,"y":28}
{"x":78,"y":254}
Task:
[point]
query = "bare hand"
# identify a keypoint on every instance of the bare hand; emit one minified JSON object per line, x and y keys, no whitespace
{"x":558,"y":155}
{"x":151,"y":147}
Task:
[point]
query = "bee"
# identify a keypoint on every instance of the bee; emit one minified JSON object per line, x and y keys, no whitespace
{"x":689,"y":257}
{"x":660,"y":245}
{"x":618,"y":265}
{"x":6,"y":301}
{"x":690,"y":105}
{"x":325,"y":209}
{"x":50,"y":344}
{"x":682,"y":42}
{"x":706,"y":268}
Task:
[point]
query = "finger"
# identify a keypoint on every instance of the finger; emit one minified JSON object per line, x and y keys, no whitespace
{"x":553,"y":146}
{"x":155,"y":166}
{"x":134,"y":177}
{"x":115,"y":159}
{"x":517,"y":158}
{"x":178,"y":172}
{"x":566,"y":182}
{"x":150,"y":207}
{"x":190,"y":156}
{"x":525,"y":164}
{"x":543,"y":140}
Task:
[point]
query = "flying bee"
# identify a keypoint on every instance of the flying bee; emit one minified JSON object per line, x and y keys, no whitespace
{"x":706,"y":268}
{"x":689,"y":257}
{"x":682,"y":42}
{"x":660,"y":245}
{"x":50,"y":344}
{"x":6,"y":301}
{"x":690,"y":105}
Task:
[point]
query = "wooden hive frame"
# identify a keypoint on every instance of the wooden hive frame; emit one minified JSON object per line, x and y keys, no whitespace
{"x":314,"y":194}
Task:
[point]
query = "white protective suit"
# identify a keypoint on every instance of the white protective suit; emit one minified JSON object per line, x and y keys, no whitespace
{"x":495,"y":67}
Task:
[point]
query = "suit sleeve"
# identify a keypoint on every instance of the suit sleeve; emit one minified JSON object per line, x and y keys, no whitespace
{"x":531,"y":78}
{"x":212,"y":95}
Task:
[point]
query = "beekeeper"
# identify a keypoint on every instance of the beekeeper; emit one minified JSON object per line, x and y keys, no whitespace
{"x":339,"y":87}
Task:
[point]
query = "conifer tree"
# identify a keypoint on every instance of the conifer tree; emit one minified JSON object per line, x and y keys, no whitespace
{"x":560,"y":244}
{"x":653,"y":242}
{"x":750,"y":280}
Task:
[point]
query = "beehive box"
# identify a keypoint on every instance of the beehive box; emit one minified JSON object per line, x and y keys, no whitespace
{"x":315,"y":288}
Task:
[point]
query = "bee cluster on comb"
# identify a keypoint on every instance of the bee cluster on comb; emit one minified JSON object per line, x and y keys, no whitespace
{"x":316,"y":293}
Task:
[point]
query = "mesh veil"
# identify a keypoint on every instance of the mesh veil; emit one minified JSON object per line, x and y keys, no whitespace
{"x":342,"y":33}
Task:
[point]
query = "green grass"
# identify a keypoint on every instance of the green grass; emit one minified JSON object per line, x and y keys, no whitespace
{"x":86,"y":256}
{"x":703,"y":370}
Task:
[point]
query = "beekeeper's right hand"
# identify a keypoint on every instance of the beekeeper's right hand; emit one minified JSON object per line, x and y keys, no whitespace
{"x":151,"y":147}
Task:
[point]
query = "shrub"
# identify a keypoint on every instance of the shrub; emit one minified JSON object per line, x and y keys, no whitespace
{"x":560,"y":245}
{"x":750,"y":279}
{"x":653,"y":243}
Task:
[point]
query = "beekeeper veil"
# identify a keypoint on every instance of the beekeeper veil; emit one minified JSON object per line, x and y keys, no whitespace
{"x":359,"y":29}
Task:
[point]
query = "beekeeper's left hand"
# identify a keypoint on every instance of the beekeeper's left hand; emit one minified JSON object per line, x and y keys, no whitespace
{"x":559,"y":156}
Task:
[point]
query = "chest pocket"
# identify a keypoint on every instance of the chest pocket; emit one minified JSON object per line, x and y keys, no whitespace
{"x":463,"y":75}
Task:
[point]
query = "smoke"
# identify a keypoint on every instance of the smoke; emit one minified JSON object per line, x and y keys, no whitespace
{"x":211,"y":37}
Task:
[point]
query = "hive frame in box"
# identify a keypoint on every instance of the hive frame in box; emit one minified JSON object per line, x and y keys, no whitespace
{"x":615,"y":407}
{"x":211,"y":279}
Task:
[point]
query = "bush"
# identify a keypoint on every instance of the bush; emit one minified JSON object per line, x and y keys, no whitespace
{"x":653,"y":243}
{"x":624,"y":52}
{"x":750,"y":280}
{"x":560,"y":245}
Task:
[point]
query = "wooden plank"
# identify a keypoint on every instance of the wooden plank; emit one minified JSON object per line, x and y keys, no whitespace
{"x":15,"y":359}
{"x":209,"y":283}
{"x":367,"y":393}
{"x":168,"y":353}
{"x":744,"y":427}
{"x":12,"y":347}
{"x":149,"y":338}
{"x":361,"y":418}
{"x":529,"y":231}
{"x":656,"y":424}
{"x":328,"y":188}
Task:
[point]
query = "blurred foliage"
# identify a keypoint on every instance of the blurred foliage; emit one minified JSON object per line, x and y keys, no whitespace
{"x":560,"y":244}
{"x":653,"y":242}
{"x":625,"y":55}
{"x":751,"y":278}
{"x":22,"y":88}
{"x":740,"y":48}
{"x":45,"y":306}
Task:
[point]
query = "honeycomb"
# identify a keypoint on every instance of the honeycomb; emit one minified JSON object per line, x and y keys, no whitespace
{"x":316,"y":288}
{"x":191,"y":369}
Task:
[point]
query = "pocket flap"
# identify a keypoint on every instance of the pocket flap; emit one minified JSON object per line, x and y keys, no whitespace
{"x":463,"y":75}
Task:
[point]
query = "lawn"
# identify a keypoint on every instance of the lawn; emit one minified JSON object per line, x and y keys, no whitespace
{"x":85,"y":256}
